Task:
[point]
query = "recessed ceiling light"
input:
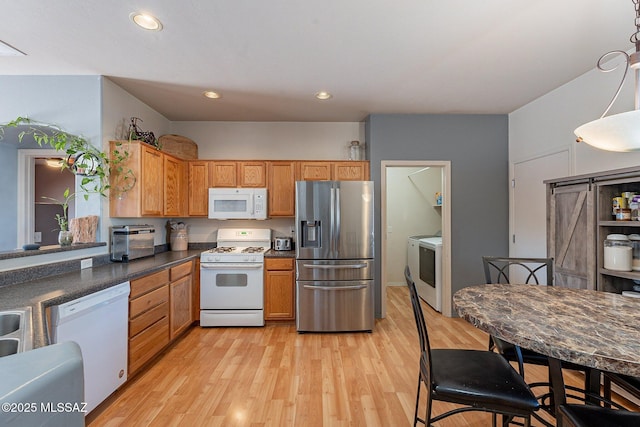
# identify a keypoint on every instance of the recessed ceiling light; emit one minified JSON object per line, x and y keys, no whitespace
{"x":211,"y":94}
{"x":146,"y":21}
{"x":323,"y":95}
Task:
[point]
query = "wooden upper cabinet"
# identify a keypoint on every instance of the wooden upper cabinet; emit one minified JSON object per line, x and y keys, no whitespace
{"x":350,"y":171}
{"x":223,"y":174}
{"x":175,"y":187}
{"x":252,"y":174}
{"x":314,"y":171}
{"x":332,"y":170}
{"x":281,"y":188}
{"x":152,"y":178}
{"x":146,"y":196}
{"x":198,"y":188}
{"x":160,"y":187}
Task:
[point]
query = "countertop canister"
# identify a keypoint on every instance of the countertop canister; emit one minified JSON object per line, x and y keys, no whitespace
{"x":618,"y":253}
{"x":635,"y":241}
{"x":179,"y":240}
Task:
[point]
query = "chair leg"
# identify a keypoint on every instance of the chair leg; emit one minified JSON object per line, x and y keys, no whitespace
{"x":606,"y":392}
{"x":520,"y":360}
{"x":427,"y":415}
{"x":415,"y":413}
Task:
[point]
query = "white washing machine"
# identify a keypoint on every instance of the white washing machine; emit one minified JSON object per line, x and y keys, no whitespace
{"x":424,"y":257}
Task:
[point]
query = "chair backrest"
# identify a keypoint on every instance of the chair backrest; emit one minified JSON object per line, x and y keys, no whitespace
{"x":425,"y":348}
{"x":518,"y":270}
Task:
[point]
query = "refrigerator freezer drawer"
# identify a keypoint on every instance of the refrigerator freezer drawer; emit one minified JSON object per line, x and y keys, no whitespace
{"x":334,"y":306}
{"x":349,"y":269}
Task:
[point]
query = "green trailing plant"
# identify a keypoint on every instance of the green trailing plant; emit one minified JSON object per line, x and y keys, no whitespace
{"x":63,"y":220}
{"x":82,"y":158}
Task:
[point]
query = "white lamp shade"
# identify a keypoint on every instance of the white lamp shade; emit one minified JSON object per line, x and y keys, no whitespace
{"x":619,"y":132}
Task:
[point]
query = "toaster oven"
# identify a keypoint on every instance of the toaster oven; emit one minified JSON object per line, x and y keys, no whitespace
{"x":129,"y":242}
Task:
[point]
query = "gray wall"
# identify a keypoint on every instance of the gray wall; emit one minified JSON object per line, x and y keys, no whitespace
{"x":70,"y":102}
{"x":477,"y":146}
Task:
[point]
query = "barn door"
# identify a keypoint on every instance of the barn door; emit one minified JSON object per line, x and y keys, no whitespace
{"x":571,"y":234}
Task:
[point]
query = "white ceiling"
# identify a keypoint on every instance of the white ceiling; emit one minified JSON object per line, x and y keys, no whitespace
{"x":269,"y":57}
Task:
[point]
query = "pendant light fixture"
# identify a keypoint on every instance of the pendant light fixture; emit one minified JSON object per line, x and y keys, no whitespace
{"x":618,"y":132}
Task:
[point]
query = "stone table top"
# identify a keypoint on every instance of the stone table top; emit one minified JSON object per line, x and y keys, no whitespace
{"x":591,"y":328}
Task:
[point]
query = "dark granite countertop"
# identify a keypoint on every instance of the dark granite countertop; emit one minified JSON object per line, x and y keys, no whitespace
{"x":21,"y":253}
{"x":53,"y":290}
{"x":596,"y":329}
{"x":271,"y":253}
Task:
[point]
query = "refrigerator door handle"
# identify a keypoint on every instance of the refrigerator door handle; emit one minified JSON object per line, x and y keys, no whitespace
{"x":332,"y":222}
{"x":334,"y":266}
{"x":335,"y":288}
{"x":336,"y":229}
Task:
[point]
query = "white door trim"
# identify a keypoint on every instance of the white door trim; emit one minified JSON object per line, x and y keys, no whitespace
{"x":26,"y":190}
{"x":446,"y":227}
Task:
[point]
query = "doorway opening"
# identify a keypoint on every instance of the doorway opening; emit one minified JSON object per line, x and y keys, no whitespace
{"x":409,"y":207}
{"x":38,"y":183}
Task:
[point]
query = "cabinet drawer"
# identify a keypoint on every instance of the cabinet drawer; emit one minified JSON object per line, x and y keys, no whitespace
{"x":147,"y":319}
{"x":278,"y":263}
{"x":181,"y":270}
{"x":148,"y":301}
{"x":144,"y":346}
{"x":147,"y":283}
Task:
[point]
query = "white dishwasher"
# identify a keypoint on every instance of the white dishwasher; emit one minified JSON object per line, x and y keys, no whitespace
{"x":99,"y":323}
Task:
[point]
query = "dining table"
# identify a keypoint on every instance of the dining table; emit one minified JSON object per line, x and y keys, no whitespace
{"x":598,"y":330}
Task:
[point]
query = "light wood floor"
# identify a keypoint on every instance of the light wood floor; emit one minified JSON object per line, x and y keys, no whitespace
{"x":273,"y":376}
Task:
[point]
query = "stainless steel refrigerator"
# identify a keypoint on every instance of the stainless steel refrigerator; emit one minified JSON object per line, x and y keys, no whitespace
{"x":334,"y":256}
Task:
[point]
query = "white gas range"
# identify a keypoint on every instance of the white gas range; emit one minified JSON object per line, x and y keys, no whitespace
{"x":231,"y":278}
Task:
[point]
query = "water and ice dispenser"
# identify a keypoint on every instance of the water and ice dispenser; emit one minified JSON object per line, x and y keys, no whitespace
{"x":311,"y":232}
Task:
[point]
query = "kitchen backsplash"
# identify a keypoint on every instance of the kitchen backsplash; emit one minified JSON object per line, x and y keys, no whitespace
{"x":205,"y":230}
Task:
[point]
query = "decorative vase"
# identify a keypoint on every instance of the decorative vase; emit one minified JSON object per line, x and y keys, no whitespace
{"x":65,"y":238}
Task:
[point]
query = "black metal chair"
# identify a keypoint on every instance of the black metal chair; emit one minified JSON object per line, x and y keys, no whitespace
{"x":500,"y":270}
{"x":478,"y":379}
{"x":596,"y":416}
{"x":629,"y":384}
{"x":534,"y":271}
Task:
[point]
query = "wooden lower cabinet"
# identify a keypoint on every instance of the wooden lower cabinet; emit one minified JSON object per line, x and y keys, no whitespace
{"x":148,"y":318}
{"x":160,"y":308}
{"x":279,"y":289}
{"x":146,"y":345}
{"x":180,"y":299}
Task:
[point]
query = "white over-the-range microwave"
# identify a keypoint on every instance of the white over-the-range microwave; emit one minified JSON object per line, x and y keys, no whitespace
{"x":238,"y":203}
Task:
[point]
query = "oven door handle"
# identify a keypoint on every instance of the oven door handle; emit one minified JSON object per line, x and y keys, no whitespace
{"x":334,"y":266}
{"x":335,"y":288}
{"x":230,"y":266}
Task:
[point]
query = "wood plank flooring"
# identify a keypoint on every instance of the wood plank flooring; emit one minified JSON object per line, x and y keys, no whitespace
{"x":273,"y":376}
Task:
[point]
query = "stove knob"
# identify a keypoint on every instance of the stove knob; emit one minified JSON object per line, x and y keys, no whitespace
{"x":216,"y":259}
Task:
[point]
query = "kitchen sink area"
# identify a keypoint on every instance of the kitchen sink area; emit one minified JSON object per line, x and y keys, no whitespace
{"x":15,"y":331}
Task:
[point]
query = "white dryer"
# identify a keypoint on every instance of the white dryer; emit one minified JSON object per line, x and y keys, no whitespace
{"x":424,"y":257}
